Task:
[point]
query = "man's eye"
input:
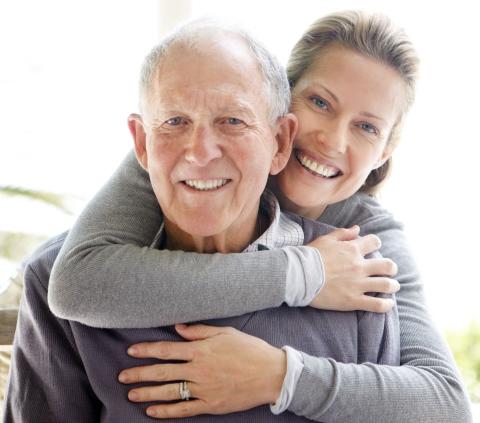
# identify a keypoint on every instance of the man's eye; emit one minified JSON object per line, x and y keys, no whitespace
{"x":234,"y":121}
{"x":319,"y":102}
{"x":369,"y":128}
{"x":175,"y":121}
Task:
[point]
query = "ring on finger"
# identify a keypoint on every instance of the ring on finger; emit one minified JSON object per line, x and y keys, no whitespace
{"x":184,"y":391}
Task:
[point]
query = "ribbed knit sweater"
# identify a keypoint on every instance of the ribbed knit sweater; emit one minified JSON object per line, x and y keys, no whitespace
{"x":66,"y":371}
{"x":107,"y":244}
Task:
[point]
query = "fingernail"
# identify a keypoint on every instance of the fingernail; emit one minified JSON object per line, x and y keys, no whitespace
{"x":151,"y":412}
{"x":123,"y":377}
{"x":133,"y":396}
{"x":132,"y":351}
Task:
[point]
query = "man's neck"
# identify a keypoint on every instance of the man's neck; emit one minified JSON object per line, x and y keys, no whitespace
{"x":233,"y":240}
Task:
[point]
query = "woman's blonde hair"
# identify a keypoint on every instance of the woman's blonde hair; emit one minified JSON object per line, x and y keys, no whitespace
{"x":374,"y":36}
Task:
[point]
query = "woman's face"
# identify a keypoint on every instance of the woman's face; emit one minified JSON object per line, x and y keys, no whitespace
{"x":346,"y":104}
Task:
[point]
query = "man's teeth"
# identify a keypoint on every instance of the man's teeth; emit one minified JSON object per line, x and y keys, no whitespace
{"x":206,"y":184}
{"x":322,"y":170}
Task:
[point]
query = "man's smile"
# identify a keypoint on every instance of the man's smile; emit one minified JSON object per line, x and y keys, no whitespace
{"x":206,"y":184}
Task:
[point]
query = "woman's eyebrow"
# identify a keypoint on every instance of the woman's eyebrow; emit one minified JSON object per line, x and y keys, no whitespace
{"x":371,"y":115}
{"x":323,"y":87}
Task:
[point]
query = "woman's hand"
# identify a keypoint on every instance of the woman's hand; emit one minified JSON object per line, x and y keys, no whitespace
{"x":226,"y":371}
{"x":349,"y":276}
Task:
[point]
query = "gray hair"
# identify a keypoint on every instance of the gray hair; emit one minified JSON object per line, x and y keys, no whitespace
{"x":372,"y":35}
{"x":274,"y":75}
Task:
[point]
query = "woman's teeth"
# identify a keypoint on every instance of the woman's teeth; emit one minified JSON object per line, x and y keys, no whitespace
{"x":317,"y":168}
{"x":206,"y":184}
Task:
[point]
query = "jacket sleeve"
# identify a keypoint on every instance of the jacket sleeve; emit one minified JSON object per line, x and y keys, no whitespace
{"x":425,"y":387}
{"x":105,"y":276}
{"x":47,"y":380}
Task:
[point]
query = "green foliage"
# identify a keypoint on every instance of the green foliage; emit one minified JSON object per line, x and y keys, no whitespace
{"x":14,"y":246}
{"x":465,"y":345}
{"x":55,"y":200}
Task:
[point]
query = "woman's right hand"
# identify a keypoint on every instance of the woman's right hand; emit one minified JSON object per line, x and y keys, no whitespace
{"x":349,"y":275}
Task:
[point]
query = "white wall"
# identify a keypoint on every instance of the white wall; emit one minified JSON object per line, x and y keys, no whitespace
{"x":68,"y":75}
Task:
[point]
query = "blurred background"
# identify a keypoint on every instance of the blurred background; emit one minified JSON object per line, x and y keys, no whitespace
{"x":68,"y":80}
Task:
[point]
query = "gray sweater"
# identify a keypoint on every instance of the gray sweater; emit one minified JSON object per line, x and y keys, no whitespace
{"x":105,"y":253}
{"x":66,"y":371}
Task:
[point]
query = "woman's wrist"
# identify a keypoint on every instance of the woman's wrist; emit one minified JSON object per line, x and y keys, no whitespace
{"x":275,"y":375}
{"x":294,"y":370}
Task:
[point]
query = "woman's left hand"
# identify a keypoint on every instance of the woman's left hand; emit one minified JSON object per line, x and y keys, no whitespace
{"x":226,"y":371}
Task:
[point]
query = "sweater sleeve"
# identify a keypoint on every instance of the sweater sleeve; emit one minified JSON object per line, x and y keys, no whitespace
{"x":425,"y":387}
{"x":106,"y":276}
{"x":47,"y":380}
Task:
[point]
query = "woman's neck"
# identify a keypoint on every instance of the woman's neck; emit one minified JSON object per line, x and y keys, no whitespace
{"x":286,"y":204}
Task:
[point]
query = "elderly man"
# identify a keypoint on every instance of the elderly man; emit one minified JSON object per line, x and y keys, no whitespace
{"x":213,"y":127}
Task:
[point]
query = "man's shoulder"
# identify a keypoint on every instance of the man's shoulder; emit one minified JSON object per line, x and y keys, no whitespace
{"x":41,"y":261}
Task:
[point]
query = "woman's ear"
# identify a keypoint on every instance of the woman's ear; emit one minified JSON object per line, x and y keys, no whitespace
{"x":135,"y":124}
{"x":286,"y":129}
{"x":387,"y":153}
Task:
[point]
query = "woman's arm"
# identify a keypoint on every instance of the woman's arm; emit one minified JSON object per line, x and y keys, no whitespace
{"x":107,"y":276}
{"x":426,"y":387}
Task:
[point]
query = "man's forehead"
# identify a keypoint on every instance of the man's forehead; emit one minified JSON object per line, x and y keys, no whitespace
{"x":216,"y":77}
{"x":219,"y":99}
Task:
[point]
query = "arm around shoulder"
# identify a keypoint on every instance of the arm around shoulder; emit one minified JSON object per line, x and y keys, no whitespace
{"x":107,"y":276}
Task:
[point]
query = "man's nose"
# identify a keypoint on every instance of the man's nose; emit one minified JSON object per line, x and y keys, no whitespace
{"x":334,"y":137}
{"x":203,"y":147}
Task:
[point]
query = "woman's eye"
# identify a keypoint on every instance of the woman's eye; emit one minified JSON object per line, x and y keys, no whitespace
{"x":175,"y":121}
{"x":368,"y":128}
{"x":319,"y":102}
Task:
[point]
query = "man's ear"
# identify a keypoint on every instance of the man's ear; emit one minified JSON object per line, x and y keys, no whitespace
{"x":286,"y":129}
{"x":135,"y":124}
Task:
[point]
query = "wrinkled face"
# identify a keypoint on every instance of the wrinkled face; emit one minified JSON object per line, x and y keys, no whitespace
{"x":209,"y":145}
{"x":346,"y":105}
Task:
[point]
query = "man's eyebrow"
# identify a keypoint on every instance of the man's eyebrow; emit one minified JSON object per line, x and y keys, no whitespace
{"x":237,"y":108}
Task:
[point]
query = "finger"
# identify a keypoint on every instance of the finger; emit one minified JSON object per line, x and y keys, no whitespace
{"x":375,"y":304}
{"x":162,"y":350}
{"x":168,"y":392}
{"x":180,"y":409}
{"x":383,"y":285}
{"x":368,"y":244}
{"x":345,"y":234}
{"x":155,"y":373}
{"x":198,"y":332}
{"x":380,"y":267}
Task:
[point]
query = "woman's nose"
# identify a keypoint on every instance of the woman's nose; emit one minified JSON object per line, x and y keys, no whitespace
{"x":334,"y":137}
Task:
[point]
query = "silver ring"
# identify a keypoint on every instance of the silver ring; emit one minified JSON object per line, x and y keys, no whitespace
{"x":184,"y":391}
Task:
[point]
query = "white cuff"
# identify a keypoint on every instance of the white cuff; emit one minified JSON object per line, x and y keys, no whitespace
{"x":305,"y":275}
{"x":294,"y":369}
